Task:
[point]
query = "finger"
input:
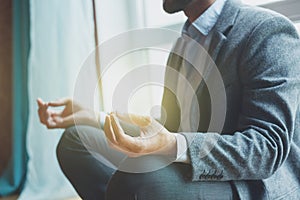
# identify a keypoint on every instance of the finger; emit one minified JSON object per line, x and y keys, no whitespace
{"x":126,"y":142}
{"x":123,"y":149}
{"x":64,"y":122}
{"x":112,"y":141}
{"x":42,"y":118}
{"x":43,"y":114}
{"x":153,"y":129}
{"x":50,"y":124}
{"x":60,"y":102}
{"x":56,"y":114}
{"x":55,"y":123}
{"x":135,"y":119}
{"x":117,"y":129}
{"x":41,"y":103}
{"x":108,"y":130}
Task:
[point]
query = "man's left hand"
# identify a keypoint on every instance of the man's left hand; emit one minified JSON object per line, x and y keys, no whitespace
{"x":154,"y":138}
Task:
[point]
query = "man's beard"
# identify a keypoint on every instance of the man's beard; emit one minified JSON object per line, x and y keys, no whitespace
{"x":173,"y":6}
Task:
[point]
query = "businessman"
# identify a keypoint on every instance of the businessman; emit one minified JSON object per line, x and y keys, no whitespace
{"x":257,"y":153}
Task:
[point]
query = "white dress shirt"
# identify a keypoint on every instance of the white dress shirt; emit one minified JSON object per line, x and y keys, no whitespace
{"x":199,"y":31}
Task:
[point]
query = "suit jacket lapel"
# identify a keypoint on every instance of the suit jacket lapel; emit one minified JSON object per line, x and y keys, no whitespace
{"x":219,"y":36}
{"x":217,"y":41}
{"x":223,"y":26}
{"x":171,"y":118}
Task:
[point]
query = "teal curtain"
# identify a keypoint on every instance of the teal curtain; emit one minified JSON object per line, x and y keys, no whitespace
{"x":13,"y":177}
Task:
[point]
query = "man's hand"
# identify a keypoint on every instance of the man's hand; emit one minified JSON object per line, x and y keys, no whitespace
{"x":73,"y":113}
{"x":153,"y":139}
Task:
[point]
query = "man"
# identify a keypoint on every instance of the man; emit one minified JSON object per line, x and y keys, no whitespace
{"x":255,"y":156}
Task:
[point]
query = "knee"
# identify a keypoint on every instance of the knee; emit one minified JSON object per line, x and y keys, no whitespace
{"x":67,"y":140}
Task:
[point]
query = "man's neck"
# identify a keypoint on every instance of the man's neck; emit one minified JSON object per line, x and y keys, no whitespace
{"x":196,"y":8}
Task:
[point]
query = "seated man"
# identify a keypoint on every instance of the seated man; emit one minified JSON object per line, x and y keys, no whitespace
{"x":256,"y":155}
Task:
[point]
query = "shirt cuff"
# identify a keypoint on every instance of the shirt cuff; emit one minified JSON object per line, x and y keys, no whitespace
{"x":182,"y":154}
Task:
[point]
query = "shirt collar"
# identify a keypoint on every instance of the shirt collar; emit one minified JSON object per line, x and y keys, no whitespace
{"x":207,"y":20}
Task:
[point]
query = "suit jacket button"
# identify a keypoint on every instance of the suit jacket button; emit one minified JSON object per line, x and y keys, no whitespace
{"x":201,"y":176}
{"x":219,"y":177}
{"x":209,"y":177}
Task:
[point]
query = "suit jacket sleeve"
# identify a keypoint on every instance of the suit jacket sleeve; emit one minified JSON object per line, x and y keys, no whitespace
{"x":269,"y":71}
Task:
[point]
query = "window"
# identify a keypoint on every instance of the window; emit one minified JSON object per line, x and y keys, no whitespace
{"x":289,"y":8}
{"x":298,"y":27}
{"x":259,"y":2}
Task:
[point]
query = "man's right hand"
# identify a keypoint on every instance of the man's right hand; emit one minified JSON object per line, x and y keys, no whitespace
{"x":73,"y":113}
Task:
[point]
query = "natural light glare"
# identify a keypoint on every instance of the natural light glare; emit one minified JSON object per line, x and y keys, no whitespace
{"x":143,"y":99}
{"x":259,"y":2}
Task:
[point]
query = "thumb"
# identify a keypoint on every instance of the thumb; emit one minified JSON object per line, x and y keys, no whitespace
{"x":64,"y":122}
{"x":138,"y":120}
{"x":60,"y":102}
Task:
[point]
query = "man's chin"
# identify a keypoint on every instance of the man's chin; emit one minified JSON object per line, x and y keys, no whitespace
{"x":171,"y":10}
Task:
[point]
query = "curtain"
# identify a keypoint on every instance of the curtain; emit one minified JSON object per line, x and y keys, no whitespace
{"x":13,"y":177}
{"x":62,"y":36}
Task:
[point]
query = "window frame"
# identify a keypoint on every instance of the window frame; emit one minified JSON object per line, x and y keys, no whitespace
{"x":289,"y":8}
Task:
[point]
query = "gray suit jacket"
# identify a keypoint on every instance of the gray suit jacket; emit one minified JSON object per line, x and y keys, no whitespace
{"x":258,"y":54}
